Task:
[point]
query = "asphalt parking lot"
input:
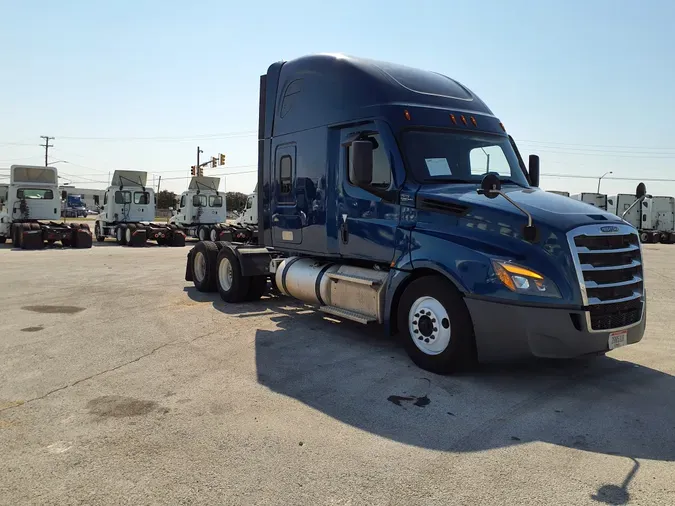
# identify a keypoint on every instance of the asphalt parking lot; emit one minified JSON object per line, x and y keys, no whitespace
{"x":120,"y":384}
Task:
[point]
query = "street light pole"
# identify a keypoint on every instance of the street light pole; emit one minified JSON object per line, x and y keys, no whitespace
{"x":600,"y":179}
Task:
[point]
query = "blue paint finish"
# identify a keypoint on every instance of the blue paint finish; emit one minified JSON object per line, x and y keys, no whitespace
{"x":316,"y":104}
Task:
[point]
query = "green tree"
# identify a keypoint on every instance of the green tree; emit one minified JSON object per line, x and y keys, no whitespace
{"x":166,"y":199}
{"x":235,"y":201}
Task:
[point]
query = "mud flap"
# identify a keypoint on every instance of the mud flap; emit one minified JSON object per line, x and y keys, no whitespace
{"x":32,"y":239}
{"x":81,"y":238}
{"x":138,"y":238}
{"x":177,"y":240}
{"x":188,"y":266}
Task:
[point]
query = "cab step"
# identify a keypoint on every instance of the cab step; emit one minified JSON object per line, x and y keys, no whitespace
{"x":348,"y":315}
{"x":353,"y":278}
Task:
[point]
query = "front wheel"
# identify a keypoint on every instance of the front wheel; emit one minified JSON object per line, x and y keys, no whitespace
{"x":436,"y":326}
{"x":97,"y":233}
{"x":120,"y":235}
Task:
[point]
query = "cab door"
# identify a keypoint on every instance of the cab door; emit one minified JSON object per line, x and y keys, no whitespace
{"x":367,"y":223}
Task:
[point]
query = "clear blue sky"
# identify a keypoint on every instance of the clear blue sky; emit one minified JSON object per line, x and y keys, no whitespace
{"x":588,"y":85}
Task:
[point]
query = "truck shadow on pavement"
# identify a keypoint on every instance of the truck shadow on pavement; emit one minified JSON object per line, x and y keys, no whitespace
{"x":361,"y":377}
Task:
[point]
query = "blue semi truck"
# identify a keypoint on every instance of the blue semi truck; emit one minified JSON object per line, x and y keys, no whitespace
{"x":391,"y":195}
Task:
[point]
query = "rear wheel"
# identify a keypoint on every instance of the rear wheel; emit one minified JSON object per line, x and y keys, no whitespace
{"x":232,"y":286}
{"x":436,"y":326}
{"x":3,"y":239}
{"x":204,"y":266}
{"x":203,"y":233}
{"x":644,"y":237}
{"x":213,"y":234}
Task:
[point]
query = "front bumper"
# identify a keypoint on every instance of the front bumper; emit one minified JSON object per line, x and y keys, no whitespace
{"x":505,"y":331}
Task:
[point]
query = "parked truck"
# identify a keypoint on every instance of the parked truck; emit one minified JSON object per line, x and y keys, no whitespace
{"x":598,"y":200}
{"x":405,"y":203}
{"x":128,"y":212}
{"x":249,"y":216}
{"x":202,"y":211}
{"x":558,"y":192}
{"x":30,"y":207}
{"x":654,"y":217}
{"x":72,"y":206}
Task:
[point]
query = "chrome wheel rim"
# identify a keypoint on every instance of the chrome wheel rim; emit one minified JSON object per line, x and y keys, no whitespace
{"x":225,"y":274}
{"x":429,"y":325}
{"x":119,"y":234}
{"x":200,"y":266}
{"x":128,"y":234}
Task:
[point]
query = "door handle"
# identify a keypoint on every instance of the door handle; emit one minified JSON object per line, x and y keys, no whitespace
{"x":344,"y":232}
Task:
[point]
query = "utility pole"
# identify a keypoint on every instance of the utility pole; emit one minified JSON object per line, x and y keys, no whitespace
{"x":198,"y":151}
{"x":159,"y":183}
{"x":46,"y":145}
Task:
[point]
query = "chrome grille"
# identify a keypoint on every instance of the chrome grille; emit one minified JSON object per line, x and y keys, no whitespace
{"x":608,"y":261}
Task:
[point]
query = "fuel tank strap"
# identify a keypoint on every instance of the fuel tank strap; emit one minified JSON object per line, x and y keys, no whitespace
{"x":317,"y":283}
{"x":283,"y":274}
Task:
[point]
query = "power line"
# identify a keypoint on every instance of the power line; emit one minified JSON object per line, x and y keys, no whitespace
{"x":648,"y":179}
{"x":595,"y":145}
{"x":221,"y":135}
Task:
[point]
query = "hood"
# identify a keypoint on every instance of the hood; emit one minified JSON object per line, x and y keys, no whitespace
{"x":557,"y":211}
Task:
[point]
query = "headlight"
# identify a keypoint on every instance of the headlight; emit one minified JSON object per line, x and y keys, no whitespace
{"x":523,"y":280}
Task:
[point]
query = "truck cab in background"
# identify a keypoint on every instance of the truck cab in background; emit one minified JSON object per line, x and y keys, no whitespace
{"x":202,"y":212}
{"x":128,"y":211}
{"x":30,"y":207}
{"x":201,"y":209}
{"x":404,"y":202}
{"x":598,"y":200}
{"x":653,"y":217}
{"x":249,"y":216}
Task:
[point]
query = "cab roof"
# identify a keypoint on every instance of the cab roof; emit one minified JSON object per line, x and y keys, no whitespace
{"x":325,"y":89}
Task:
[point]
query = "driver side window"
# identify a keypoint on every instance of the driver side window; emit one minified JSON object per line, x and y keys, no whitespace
{"x":182,"y":201}
{"x":381,"y":166}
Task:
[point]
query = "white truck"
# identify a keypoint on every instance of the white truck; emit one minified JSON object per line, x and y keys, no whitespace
{"x":594,"y":199}
{"x":249,"y":218}
{"x":29,"y":207}
{"x":557,"y":192}
{"x":202,"y":212}
{"x":128,"y":211}
{"x":654,"y":217}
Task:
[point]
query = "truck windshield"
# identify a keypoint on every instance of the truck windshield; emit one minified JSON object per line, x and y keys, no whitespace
{"x":441,"y":157}
{"x":141,"y":198}
{"x":34,"y":193}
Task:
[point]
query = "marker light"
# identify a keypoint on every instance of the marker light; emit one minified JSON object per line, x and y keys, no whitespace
{"x":520,"y":279}
{"x":406,"y":114}
{"x":473,"y":121}
{"x":463,"y":119}
{"x":502,"y":125}
{"x":453,"y":119}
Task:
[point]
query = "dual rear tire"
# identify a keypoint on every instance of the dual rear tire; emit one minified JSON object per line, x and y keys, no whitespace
{"x":216,"y":268}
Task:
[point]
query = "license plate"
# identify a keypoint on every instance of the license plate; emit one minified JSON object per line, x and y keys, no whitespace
{"x":618,"y":339}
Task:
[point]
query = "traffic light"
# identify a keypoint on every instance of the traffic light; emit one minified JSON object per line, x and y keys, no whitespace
{"x":222,"y":159}
{"x":214,"y":161}
{"x":192,"y":170}
{"x":201,"y":171}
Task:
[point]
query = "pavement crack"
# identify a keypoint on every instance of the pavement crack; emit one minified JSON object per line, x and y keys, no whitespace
{"x":112,"y":369}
